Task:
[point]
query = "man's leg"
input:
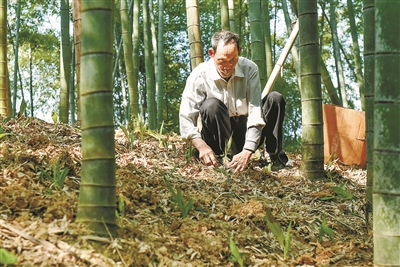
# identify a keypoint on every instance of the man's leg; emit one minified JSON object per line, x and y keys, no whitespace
{"x":274,"y":113}
{"x":239,"y":128}
{"x":216,"y":125}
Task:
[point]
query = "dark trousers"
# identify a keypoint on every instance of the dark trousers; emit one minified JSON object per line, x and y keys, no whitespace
{"x":217,"y":126}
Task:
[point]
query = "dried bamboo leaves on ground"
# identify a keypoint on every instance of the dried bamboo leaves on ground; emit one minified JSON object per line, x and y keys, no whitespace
{"x":189,"y":223}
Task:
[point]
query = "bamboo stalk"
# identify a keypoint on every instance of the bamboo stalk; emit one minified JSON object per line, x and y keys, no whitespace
{"x":279,"y":64}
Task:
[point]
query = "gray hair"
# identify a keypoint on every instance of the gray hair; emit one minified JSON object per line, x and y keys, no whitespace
{"x":225,"y":37}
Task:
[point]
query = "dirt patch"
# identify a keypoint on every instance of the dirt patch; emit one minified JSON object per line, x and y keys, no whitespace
{"x":37,"y":218}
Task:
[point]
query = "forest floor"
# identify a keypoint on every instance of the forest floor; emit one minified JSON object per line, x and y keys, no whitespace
{"x":325,"y":218}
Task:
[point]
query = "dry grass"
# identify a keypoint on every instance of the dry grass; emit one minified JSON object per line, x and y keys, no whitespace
{"x":37,"y":221}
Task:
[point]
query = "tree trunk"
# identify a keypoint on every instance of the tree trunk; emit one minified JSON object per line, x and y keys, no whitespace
{"x":128,"y":55}
{"x":149,"y":67}
{"x":14,"y":100}
{"x":134,"y":93}
{"x":3,"y":60}
{"x":357,"y":56}
{"x":312,"y":165}
{"x":65,"y":62}
{"x":194,"y":33}
{"x":269,"y":65}
{"x":295,"y":54}
{"x":369,"y":81}
{"x":31,"y":80}
{"x":77,"y":44}
{"x":224,"y":14}
{"x":160,"y":76}
{"x":72,"y":106}
{"x":231,"y":7}
{"x":155,"y":58}
{"x":386,"y":188}
{"x":257,"y":39}
{"x":336,"y":54}
{"x":330,"y":88}
{"x":96,"y":206}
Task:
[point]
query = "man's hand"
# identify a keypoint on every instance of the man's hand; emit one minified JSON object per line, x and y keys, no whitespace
{"x":206,"y":154}
{"x":239,"y":161}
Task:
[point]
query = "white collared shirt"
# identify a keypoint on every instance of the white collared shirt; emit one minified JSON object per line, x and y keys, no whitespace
{"x":241,"y":94}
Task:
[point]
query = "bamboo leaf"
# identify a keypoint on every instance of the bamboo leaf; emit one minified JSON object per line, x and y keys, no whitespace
{"x":275,"y":227}
{"x":7,"y":257}
{"x":327,"y":198}
{"x":125,"y":131}
{"x":4,"y":134}
{"x":325,"y":230}
{"x":235,"y":252}
{"x":342,"y":193}
{"x":288,"y":241}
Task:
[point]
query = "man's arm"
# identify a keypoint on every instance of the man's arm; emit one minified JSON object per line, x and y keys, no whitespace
{"x":206,"y":154}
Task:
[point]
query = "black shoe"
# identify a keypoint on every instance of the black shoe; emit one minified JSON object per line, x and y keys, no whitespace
{"x":278,"y":160}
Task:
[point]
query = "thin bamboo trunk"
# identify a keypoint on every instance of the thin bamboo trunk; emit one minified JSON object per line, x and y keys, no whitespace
{"x":65,"y":61}
{"x":194,"y":33}
{"x":3,"y":60}
{"x":282,"y":58}
{"x":293,"y":50}
{"x":77,"y":45}
{"x":128,"y":54}
{"x":269,"y":65}
{"x":149,"y":68}
{"x":356,"y":50}
{"x":336,"y":54}
{"x":257,"y":39}
{"x":160,"y":76}
{"x":134,"y":94}
{"x":369,"y":81}
{"x":14,"y":100}
{"x":72,"y":106}
{"x":231,"y":7}
{"x":224,"y":14}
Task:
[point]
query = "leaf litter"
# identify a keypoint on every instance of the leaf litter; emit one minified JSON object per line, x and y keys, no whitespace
{"x":37,"y":219}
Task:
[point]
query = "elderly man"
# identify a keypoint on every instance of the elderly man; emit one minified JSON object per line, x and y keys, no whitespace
{"x":226,"y":92}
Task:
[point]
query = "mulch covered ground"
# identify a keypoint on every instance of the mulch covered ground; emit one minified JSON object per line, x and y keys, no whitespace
{"x":328,"y":226}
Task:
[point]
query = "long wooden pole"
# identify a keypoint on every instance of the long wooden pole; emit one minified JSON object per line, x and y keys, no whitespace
{"x":279,"y":64}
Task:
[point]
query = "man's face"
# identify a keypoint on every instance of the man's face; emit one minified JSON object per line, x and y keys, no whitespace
{"x":225,"y":58}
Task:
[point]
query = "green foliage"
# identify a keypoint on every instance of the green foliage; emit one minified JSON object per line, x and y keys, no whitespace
{"x":54,"y":117}
{"x":189,"y":152}
{"x":268,"y":168}
{"x":141,"y":127}
{"x":22,"y":108}
{"x":163,"y":139}
{"x":2,"y":133}
{"x":288,"y":241}
{"x":235,"y":256}
{"x":177,"y":197}
{"x":340,"y":193}
{"x":7,"y":257}
{"x":228,"y":148}
{"x":56,"y":176}
{"x":276,"y":229}
{"x":120,"y":213}
{"x":325,"y":230}
{"x":130,"y":136}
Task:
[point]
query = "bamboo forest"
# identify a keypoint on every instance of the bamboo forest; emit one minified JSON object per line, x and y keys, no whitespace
{"x":112,"y":155}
